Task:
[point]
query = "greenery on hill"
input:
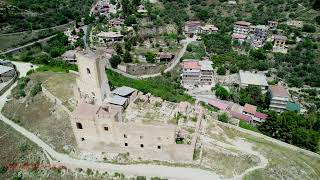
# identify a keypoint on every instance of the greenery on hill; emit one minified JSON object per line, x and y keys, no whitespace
{"x":24,"y":15}
{"x":167,"y":86}
{"x":47,"y":55}
{"x":294,"y":128}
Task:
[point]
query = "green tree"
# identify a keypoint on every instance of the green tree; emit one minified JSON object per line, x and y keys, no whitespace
{"x":115,"y":60}
{"x":221,"y":70}
{"x":222,"y":93}
{"x":127,"y":58}
{"x":223,"y":117}
{"x":317,"y":19}
{"x":118,"y":48}
{"x":150,"y":57}
{"x":130,"y":20}
{"x":308,"y":28}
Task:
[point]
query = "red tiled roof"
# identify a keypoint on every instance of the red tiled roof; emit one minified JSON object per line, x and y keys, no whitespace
{"x":279,"y":90}
{"x":241,"y":116}
{"x":248,"y":108}
{"x":165,"y":55}
{"x":238,"y":36}
{"x":261,"y":115}
{"x":191,"y":65}
{"x":218,"y":104}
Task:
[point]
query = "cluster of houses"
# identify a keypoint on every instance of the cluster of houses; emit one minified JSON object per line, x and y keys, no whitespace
{"x":102,"y":8}
{"x":279,"y":100}
{"x":195,"y":27}
{"x":197,"y":73}
{"x":257,"y":36}
{"x":72,"y":35}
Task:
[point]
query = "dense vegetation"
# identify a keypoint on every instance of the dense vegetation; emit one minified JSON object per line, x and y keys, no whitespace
{"x":167,"y":86}
{"x":47,"y":55}
{"x":24,"y":15}
{"x":294,"y":128}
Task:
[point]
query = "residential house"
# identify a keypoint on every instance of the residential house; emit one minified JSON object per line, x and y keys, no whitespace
{"x":241,"y":116}
{"x":241,"y":27}
{"x":164,"y":57}
{"x":72,"y":38}
{"x":279,"y":44}
{"x":272,"y":25}
{"x":257,"y":117}
{"x":109,"y":37}
{"x":248,"y":78}
{"x":206,"y":73}
{"x":279,"y":98}
{"x":142,"y":9}
{"x":218,"y":104}
{"x":260,"y":36}
{"x":298,"y":24}
{"x":70,"y":56}
{"x":116,"y":23}
{"x":191,"y":73}
{"x":192,"y":27}
{"x":208,"y":29}
{"x":197,"y":73}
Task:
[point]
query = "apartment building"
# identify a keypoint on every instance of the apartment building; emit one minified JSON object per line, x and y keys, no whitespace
{"x":279,"y":98}
{"x":197,"y":73}
{"x":260,"y":36}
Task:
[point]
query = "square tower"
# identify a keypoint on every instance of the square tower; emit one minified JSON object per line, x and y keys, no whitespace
{"x":92,"y":83}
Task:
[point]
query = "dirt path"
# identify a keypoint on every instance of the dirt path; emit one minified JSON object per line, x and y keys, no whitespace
{"x":243,"y":146}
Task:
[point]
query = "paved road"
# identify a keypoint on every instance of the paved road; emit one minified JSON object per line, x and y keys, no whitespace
{"x":182,"y":173}
{"x":27,"y":45}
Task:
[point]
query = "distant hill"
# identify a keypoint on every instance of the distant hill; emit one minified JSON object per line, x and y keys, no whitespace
{"x":23,"y":15}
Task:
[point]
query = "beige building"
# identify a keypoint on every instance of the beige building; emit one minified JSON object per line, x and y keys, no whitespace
{"x":280,"y":44}
{"x":99,"y":126}
{"x":197,"y":73}
{"x":279,"y":98}
{"x":110,"y":37}
{"x":298,"y":24}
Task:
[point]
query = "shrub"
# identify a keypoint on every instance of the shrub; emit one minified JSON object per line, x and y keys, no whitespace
{"x":221,"y":70}
{"x":223,"y":117}
{"x":150,"y":57}
{"x":248,"y":126}
{"x":308,"y":28}
{"x":115,"y":60}
{"x":36,"y":89}
{"x":222,"y":93}
{"x":3,"y":169}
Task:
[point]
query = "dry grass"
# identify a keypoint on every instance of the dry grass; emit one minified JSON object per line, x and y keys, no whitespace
{"x":39,"y":115}
{"x":61,"y":86}
{"x":283,"y":163}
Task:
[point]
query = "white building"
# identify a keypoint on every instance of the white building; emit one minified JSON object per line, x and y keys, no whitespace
{"x":208,"y":29}
{"x":248,"y":78}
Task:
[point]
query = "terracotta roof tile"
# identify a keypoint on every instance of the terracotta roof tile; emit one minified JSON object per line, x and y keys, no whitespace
{"x":248,"y":108}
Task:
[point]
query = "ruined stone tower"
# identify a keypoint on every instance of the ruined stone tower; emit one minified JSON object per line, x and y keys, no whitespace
{"x":92,"y":83}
